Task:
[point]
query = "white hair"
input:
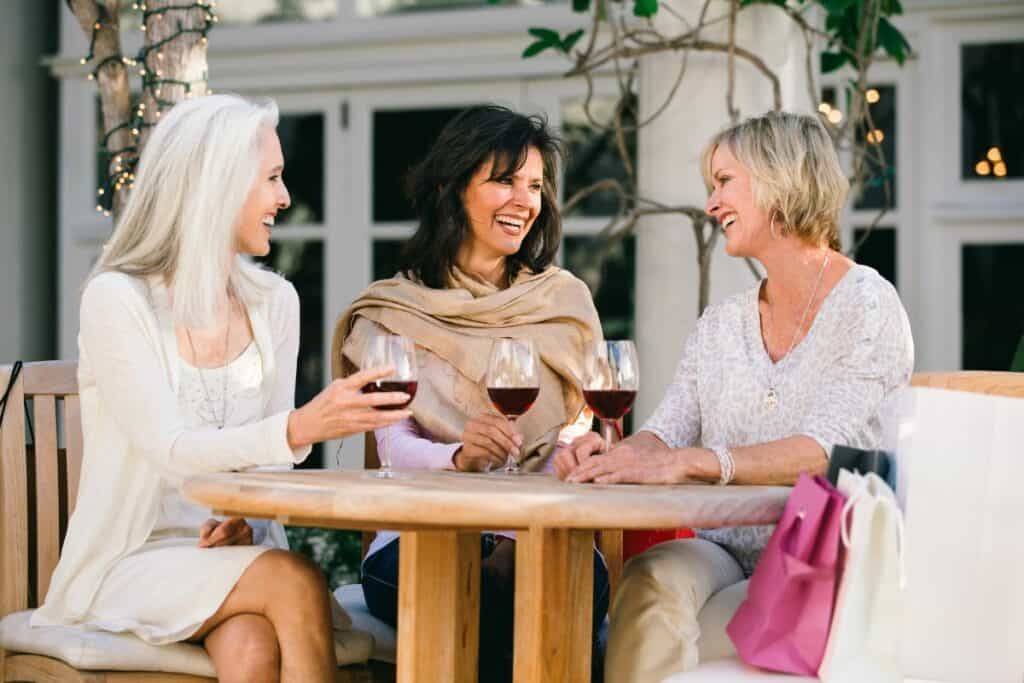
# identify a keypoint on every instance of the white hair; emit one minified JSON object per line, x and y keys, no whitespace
{"x":179,"y":222}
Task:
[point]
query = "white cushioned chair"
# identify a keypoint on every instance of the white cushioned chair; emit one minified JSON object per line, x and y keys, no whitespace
{"x":32,"y":523}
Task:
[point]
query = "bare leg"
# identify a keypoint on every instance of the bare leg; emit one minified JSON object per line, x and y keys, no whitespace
{"x":244,"y":650}
{"x":291,"y":593}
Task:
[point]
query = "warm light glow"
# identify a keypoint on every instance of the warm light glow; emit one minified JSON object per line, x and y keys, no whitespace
{"x":876,"y":136}
{"x":982,"y":168}
{"x":872,"y":96}
{"x":824,"y":107}
{"x":1000,"y":169}
{"x":994,"y":154}
{"x":835,"y":116}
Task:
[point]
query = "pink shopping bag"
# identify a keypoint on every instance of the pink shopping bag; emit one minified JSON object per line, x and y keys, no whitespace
{"x":784,"y":622}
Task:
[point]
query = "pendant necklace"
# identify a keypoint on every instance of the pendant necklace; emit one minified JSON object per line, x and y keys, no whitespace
{"x":222,"y":419}
{"x":771,"y":399}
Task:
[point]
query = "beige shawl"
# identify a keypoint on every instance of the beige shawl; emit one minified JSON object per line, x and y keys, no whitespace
{"x":453,"y":329}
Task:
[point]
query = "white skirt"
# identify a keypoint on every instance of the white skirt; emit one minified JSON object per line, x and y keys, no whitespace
{"x":164,"y":591}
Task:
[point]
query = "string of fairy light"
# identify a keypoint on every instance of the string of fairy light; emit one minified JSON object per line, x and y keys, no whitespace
{"x":121,"y":162}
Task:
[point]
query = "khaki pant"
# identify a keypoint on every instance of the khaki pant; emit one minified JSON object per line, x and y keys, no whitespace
{"x":653,"y":630}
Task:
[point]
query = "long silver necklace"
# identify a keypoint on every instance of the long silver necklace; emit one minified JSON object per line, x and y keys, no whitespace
{"x":771,"y":399}
{"x":222,"y":419}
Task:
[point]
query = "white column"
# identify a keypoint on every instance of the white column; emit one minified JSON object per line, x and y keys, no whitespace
{"x":669,"y":151}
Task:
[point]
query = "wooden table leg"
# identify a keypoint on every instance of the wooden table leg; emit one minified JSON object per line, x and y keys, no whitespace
{"x":438,"y":606}
{"x":554,"y":605}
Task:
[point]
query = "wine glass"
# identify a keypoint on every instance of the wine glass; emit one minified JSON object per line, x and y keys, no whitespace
{"x":513,"y":381}
{"x":400,"y":353}
{"x":611,"y":378}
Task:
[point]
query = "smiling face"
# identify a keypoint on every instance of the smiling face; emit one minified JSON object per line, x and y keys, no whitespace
{"x":732,"y":204}
{"x":501,"y":211}
{"x":267,"y":196}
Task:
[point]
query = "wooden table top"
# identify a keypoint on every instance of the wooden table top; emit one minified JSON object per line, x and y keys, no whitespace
{"x":425,"y":499}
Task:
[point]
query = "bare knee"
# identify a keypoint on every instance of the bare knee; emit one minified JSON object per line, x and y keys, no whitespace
{"x":291,"y":582}
{"x":245,"y":648}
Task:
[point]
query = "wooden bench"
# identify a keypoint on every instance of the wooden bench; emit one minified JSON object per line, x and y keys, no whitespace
{"x":38,"y":490}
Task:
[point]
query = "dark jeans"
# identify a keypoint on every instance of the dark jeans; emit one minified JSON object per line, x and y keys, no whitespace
{"x":497,"y":603}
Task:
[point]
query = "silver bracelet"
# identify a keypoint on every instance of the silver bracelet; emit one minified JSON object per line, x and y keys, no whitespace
{"x":726,"y":464}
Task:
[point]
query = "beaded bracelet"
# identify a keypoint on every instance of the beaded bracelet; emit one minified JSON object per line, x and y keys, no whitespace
{"x":725,"y":463}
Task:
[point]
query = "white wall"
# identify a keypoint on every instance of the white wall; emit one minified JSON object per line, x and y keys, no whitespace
{"x":28,"y":274}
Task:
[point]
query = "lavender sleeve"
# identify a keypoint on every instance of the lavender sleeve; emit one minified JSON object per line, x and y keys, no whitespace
{"x":410,"y":447}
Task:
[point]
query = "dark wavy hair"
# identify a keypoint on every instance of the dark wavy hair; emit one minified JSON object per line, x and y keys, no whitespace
{"x":435,"y":186}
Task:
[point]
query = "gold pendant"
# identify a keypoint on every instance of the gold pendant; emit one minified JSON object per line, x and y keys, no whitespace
{"x":771,"y":399}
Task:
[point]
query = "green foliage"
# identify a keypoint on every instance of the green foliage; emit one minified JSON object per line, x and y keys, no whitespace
{"x":547,"y":38}
{"x":645,"y":8}
{"x":338,"y":553}
{"x":843,"y":23}
{"x":1018,"y":358}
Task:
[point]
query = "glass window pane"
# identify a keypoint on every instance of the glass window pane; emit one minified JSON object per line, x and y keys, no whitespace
{"x":385,"y":258}
{"x":400,"y":140}
{"x":592,"y":153}
{"x":369,"y":8}
{"x":878,"y":250}
{"x":992,"y":104}
{"x":302,"y":142}
{"x":993,"y":308}
{"x":302,"y":263}
{"x":881,"y":146}
{"x":243,"y":12}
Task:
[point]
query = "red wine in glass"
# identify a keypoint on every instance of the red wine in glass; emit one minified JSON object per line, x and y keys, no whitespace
{"x":400,"y":353}
{"x":610,"y":404}
{"x":384,"y":386}
{"x":513,"y":402}
{"x":611,"y":379}
{"x":513,"y":381}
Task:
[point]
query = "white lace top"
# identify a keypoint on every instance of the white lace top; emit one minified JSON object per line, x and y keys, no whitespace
{"x":830,"y":387}
{"x":209,"y":397}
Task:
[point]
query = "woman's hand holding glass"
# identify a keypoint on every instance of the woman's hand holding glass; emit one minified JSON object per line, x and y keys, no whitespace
{"x":342,"y":409}
{"x":487,"y":441}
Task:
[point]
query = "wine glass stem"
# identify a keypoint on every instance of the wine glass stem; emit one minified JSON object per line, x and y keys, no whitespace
{"x":610,"y":428}
{"x":385,"y":458}
{"x":511,"y":464}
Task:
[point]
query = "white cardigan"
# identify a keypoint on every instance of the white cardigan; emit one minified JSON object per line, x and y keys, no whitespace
{"x":134,"y":432}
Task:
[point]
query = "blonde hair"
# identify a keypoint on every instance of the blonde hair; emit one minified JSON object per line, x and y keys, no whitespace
{"x":192,"y":179}
{"x":795,"y":172}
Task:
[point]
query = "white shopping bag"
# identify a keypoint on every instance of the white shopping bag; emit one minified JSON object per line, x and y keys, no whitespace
{"x":964,"y":599}
{"x":863,"y":640}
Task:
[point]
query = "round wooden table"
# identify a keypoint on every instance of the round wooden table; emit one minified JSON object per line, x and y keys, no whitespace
{"x":440,"y":515}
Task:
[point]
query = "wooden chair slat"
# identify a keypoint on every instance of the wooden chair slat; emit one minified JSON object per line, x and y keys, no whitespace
{"x":56,"y":377}
{"x":73,"y":447}
{"x":13,"y":500}
{"x":977,"y":382}
{"x":44,"y":408}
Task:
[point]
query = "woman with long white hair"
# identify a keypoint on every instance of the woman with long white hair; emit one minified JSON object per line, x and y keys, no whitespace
{"x":187,"y":359}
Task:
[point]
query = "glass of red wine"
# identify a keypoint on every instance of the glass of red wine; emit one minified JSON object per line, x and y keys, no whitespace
{"x":513,"y":381}
{"x":400,"y":353}
{"x":611,"y":378}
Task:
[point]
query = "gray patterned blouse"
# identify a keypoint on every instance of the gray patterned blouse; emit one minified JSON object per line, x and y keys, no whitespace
{"x":830,"y":387}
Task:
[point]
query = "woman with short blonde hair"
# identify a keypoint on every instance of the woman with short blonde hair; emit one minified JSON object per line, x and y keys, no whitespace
{"x":187,"y":356}
{"x":770,"y":380}
{"x":795,"y":174}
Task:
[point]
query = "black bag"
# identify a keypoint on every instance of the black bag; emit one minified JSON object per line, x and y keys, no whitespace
{"x":858,"y":460}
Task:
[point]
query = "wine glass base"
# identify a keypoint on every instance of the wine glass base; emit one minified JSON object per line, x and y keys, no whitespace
{"x":385,"y":474}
